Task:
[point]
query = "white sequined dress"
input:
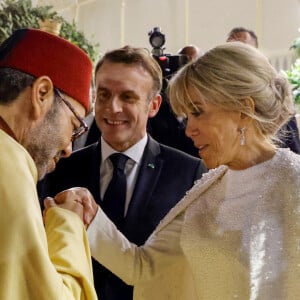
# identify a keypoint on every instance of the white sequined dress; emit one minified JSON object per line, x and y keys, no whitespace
{"x":235,"y":235}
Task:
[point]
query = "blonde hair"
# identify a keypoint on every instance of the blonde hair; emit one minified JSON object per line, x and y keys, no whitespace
{"x":229,"y":74}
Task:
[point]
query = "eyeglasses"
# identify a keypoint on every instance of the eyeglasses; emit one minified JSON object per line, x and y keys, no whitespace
{"x":83,"y":126}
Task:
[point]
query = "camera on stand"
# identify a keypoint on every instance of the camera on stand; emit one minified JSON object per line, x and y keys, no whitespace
{"x":169,"y":63}
{"x":165,"y":127}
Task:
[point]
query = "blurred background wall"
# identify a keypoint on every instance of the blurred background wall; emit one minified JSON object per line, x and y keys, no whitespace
{"x":114,"y":23}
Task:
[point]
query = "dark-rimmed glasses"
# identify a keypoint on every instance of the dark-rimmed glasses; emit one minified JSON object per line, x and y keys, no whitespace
{"x":83,"y":126}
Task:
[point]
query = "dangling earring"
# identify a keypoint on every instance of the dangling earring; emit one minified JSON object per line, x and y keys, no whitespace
{"x":243,"y":139}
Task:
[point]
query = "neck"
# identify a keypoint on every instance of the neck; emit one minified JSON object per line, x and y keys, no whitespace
{"x":15,"y":114}
{"x":5,"y":127}
{"x":253,"y":154}
{"x":14,"y":123}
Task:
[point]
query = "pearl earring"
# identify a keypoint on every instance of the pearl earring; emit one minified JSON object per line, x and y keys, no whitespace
{"x":243,"y":139}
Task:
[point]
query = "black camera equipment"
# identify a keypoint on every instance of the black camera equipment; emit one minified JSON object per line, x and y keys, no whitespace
{"x":165,"y":127}
{"x":169,"y":63}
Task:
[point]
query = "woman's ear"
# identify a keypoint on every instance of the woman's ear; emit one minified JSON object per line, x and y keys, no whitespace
{"x":154,"y":105}
{"x":42,"y":96}
{"x":250,"y":108}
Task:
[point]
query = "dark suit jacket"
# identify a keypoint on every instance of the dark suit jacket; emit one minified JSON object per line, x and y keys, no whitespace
{"x":166,"y":129}
{"x":164,"y":177}
{"x":289,"y":136}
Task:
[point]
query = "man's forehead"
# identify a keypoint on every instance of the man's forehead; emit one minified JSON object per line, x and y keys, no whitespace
{"x":242,"y":36}
{"x":124,"y":75}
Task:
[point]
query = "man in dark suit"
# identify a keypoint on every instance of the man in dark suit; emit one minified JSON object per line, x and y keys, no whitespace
{"x":128,"y":83}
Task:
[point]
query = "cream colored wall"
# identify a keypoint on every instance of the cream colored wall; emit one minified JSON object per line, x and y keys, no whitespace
{"x":114,"y":23}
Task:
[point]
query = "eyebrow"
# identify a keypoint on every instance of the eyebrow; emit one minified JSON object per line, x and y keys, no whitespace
{"x":132,"y":92}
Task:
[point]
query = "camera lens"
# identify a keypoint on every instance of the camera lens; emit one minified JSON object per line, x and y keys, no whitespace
{"x":156,"y":38}
{"x":157,"y":41}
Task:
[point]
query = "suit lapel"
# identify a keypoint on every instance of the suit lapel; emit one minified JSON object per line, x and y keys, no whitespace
{"x":93,"y":181}
{"x":147,"y":178}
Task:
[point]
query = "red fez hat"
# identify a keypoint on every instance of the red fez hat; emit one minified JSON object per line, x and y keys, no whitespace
{"x":40,"y":53}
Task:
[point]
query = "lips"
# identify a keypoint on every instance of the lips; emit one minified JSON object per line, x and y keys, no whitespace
{"x":51,"y":166}
{"x":201,"y":148}
{"x":53,"y":163}
{"x":114,"y":122}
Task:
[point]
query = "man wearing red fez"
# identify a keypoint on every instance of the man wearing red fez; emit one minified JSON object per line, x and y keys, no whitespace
{"x":44,"y":95}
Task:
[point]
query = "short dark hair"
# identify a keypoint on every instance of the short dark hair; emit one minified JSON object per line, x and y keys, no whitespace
{"x":243,"y":29}
{"x":140,"y":56}
{"x":12,"y":83}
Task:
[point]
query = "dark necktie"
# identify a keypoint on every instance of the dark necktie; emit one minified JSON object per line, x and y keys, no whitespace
{"x":114,"y":199}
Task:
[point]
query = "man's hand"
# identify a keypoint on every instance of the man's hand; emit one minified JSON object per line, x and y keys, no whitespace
{"x":78,"y":200}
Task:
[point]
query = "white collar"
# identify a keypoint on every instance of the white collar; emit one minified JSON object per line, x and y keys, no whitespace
{"x":135,"y":152}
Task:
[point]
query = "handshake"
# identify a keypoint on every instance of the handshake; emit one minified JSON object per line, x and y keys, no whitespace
{"x":78,"y":200}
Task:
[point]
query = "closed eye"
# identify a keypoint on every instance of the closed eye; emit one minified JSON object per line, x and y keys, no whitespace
{"x":196,"y":112}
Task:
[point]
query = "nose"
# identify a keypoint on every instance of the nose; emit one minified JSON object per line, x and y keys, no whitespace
{"x":190,"y":129}
{"x":114,"y":105}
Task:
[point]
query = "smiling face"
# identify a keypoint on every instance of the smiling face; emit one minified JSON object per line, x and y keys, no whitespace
{"x":215,"y":132}
{"x":124,"y":103}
